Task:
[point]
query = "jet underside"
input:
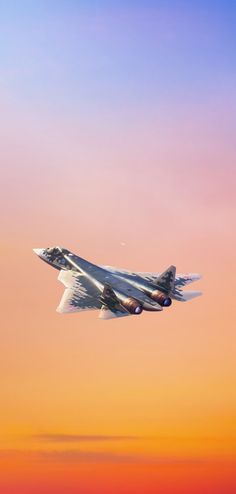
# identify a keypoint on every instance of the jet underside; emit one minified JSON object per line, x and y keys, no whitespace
{"x":115,"y":292}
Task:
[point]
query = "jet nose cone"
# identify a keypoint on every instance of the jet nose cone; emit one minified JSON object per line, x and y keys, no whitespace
{"x":39,"y":252}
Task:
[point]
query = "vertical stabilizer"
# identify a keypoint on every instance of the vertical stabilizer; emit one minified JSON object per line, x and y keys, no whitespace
{"x":166,"y":280}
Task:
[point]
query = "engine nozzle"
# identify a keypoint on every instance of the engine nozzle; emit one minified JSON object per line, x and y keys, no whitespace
{"x":132,"y":306}
{"x":161,"y":298}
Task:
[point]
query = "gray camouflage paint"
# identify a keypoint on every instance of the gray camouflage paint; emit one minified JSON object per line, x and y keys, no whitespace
{"x":86,"y":284}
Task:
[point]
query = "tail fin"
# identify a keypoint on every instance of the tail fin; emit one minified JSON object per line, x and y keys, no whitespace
{"x":166,"y":280}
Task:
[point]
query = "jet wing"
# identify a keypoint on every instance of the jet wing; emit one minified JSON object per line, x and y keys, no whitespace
{"x":80,"y":293}
{"x":181,"y":280}
{"x":168,"y":280}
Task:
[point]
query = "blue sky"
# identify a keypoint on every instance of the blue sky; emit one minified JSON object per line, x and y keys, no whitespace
{"x":63,"y":54}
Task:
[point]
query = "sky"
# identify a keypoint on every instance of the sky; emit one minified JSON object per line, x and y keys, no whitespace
{"x":117,"y":136}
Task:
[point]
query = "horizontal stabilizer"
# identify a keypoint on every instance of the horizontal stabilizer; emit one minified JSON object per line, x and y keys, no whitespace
{"x":185,"y":296}
{"x":182,"y":280}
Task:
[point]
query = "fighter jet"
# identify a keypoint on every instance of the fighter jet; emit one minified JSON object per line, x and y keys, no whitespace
{"x":115,"y":292}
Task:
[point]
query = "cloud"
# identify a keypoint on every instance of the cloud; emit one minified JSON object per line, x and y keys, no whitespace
{"x":79,"y":438}
{"x":78,"y":456}
{"x":68,"y":456}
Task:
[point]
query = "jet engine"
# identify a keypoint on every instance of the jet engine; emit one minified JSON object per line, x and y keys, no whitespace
{"x":161,"y":298}
{"x":132,"y":305}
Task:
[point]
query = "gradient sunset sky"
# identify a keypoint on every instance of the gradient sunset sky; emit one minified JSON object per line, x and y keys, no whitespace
{"x":118,"y":142}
